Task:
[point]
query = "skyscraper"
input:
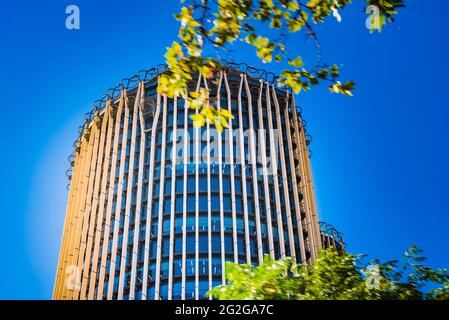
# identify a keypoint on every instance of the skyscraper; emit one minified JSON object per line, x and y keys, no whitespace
{"x":157,"y":206}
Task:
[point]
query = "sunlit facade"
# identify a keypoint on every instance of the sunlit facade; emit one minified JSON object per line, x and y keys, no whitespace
{"x":150,"y":216}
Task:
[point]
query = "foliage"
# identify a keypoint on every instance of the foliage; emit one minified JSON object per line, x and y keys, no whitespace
{"x":335,"y":276}
{"x":222,"y":22}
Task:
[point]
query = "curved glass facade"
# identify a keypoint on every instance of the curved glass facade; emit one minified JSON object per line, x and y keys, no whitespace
{"x":156,"y":207}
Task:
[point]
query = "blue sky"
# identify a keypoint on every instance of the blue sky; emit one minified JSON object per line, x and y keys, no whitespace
{"x":380,"y":159}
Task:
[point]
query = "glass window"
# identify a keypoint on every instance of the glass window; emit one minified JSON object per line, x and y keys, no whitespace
{"x":240,"y":225}
{"x":177,"y":268}
{"x":164,"y":291}
{"x":166,"y":224}
{"x":265,"y":245}
{"x":249,"y":187}
{"x":239,"y":205}
{"x":215,"y":223}
{"x":154,"y":228}
{"x":190,"y":290}
{"x":203,"y":288}
{"x":150,"y":292}
{"x":164,"y":269}
{"x":178,"y":245}
{"x":263,"y":228}
{"x":177,"y":290}
{"x":166,"y":247}
{"x":226,"y":185}
{"x":191,"y":203}
{"x":178,"y":224}
{"x":215,"y":203}
{"x":203,"y":243}
{"x":180,"y":104}
{"x":170,"y":116}
{"x":167,"y":207}
{"x":190,"y":268}
{"x":238,"y":186}
{"x":227,"y":223}
{"x":250,"y":207}
{"x":203,"y":223}
{"x":190,"y":244}
{"x":203,"y":184}
{"x":216,"y":244}
{"x":168,"y":154}
{"x":180,"y":120}
{"x":215,"y":184}
{"x":262,"y":210}
{"x":157,"y":173}
{"x":229,"y":244}
{"x":203,"y":267}
{"x":226,"y":168}
{"x":167,"y":187}
{"x":191,"y":184}
{"x":227,"y":204}
{"x":252,"y":226}
{"x":152,"y":271}
{"x":191,"y":223}
{"x":253,"y":246}
{"x":180,"y":171}
{"x":179,"y":204}
{"x":241,"y":246}
{"x":203,"y":203}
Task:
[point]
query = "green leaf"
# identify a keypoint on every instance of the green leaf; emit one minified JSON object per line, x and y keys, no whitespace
{"x":297,"y":62}
{"x":198,"y":120}
{"x":226,"y":113}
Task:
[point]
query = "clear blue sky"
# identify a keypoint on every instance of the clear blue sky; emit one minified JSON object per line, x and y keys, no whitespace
{"x":380,"y":159}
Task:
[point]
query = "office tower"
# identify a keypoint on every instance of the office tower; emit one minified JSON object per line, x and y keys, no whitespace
{"x":157,"y":206}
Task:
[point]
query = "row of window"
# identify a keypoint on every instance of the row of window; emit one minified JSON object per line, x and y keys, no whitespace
{"x":203,"y":287}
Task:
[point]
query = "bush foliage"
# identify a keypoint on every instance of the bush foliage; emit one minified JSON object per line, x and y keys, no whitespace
{"x":336,"y":276}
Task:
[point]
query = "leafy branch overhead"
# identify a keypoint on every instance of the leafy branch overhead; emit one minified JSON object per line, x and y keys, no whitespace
{"x":219,"y":23}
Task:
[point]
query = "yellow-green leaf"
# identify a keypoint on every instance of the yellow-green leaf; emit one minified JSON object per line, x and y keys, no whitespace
{"x":198,"y":120}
